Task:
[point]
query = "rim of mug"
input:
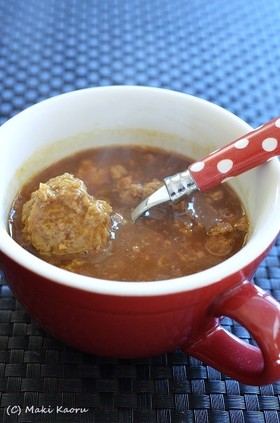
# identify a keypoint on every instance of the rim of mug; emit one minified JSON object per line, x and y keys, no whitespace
{"x":243,"y":258}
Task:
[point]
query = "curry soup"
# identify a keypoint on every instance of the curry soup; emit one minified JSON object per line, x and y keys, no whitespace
{"x":168,"y":242}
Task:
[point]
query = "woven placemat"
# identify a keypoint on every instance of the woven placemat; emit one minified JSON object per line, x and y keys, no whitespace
{"x":225,"y":52}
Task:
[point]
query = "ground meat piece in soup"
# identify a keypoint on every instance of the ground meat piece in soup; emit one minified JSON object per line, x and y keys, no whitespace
{"x":62,"y":218}
{"x":128,"y":190}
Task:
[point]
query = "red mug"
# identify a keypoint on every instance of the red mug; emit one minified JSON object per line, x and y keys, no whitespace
{"x":132,"y":319}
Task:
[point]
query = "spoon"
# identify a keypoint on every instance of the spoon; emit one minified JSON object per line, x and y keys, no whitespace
{"x":239,"y":156}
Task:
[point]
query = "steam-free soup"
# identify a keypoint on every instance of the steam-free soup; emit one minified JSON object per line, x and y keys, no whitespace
{"x":168,"y":242}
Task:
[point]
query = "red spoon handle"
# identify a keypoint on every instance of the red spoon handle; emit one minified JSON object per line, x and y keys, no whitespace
{"x":245,"y":153}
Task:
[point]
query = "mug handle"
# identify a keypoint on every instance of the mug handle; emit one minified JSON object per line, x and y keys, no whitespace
{"x":259,"y":313}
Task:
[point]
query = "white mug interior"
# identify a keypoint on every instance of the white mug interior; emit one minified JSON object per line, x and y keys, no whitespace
{"x":87,"y":118}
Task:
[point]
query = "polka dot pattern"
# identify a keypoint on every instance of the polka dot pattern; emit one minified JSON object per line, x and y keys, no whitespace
{"x":198,"y":166}
{"x":240,"y":144}
{"x":269,"y":144}
{"x":239,"y":156}
{"x":225,"y":165}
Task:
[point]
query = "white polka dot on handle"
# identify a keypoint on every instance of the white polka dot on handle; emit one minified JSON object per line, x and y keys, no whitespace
{"x":269,"y":144}
{"x":240,"y":144}
{"x":197,"y":167}
{"x":225,"y":165}
{"x":277,"y":123}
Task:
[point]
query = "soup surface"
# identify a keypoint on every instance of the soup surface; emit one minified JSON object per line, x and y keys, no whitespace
{"x":168,"y":242}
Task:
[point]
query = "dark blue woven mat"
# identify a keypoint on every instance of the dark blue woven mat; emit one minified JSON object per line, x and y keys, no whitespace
{"x":227,"y":52}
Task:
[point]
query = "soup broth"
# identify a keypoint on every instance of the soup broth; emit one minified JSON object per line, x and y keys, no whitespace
{"x":167,"y":242}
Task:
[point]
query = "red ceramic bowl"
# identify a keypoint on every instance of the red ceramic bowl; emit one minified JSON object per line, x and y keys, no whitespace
{"x":129,"y":319}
